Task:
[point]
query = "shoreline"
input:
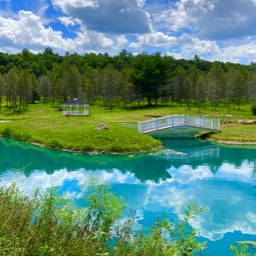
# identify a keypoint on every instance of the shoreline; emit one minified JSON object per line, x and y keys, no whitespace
{"x":93,"y":152}
{"x":232,"y":142}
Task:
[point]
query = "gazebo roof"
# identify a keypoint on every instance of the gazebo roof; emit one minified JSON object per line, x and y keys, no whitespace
{"x":75,"y":101}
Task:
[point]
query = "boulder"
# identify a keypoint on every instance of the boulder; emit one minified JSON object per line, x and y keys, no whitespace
{"x":102,"y":127}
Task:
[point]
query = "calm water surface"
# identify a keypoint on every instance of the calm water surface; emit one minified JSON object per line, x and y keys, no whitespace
{"x":186,"y":171}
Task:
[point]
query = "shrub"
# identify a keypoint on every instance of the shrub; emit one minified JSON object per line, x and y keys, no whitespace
{"x":253,"y":108}
{"x":46,"y":224}
{"x":54,"y":143}
{"x":241,"y":249}
{"x":7,"y":131}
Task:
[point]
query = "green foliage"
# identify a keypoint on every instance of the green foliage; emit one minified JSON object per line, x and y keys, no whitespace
{"x":104,"y":208}
{"x":46,"y":224}
{"x":240,"y":250}
{"x":149,"y":74}
{"x":164,"y":238}
{"x":54,"y":143}
{"x":7,"y":131}
{"x":253,"y":108}
{"x":125,"y":80}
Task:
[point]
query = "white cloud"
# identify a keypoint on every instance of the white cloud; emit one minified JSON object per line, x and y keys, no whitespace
{"x":211,"y":29}
{"x":244,"y":53}
{"x":157,"y":39}
{"x":28,"y":32}
{"x":108,"y":16}
{"x":184,"y":175}
{"x":59,"y":177}
{"x":222,"y":192}
{"x":185,"y":13}
{"x":239,"y":51}
{"x":122,"y":42}
{"x":141,"y":3}
{"x":68,"y":21}
{"x":214,"y":19}
{"x":66,"y":4}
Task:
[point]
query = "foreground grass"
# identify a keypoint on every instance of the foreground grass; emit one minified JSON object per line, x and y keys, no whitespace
{"x":46,"y":126}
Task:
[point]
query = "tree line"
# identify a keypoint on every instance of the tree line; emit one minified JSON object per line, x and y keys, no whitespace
{"x":123,"y":80}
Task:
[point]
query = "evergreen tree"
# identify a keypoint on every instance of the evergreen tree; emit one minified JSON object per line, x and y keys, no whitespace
{"x":215,"y":81}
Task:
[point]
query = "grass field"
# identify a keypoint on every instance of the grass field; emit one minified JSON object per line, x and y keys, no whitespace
{"x":47,"y":126}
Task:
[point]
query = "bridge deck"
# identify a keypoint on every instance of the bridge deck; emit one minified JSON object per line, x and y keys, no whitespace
{"x":181,"y":121}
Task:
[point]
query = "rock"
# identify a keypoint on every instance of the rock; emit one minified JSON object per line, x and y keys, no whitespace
{"x":153,"y":115}
{"x":245,"y":122}
{"x":102,"y":127}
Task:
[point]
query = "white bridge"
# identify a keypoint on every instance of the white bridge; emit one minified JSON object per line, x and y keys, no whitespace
{"x":176,"y":121}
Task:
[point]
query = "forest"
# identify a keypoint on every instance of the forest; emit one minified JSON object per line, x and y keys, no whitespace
{"x":124,"y":80}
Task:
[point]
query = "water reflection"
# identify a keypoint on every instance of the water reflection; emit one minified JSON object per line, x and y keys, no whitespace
{"x":193,"y":171}
{"x":23,"y":158}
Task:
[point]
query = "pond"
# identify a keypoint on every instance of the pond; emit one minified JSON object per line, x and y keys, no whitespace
{"x":185,"y":171}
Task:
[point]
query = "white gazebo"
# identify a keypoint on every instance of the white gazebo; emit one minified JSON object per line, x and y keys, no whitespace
{"x":76,"y":107}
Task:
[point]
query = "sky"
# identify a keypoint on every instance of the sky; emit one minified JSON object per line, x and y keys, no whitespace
{"x":214,"y":30}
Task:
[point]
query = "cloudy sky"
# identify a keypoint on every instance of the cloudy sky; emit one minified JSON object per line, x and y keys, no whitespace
{"x":222,"y":30}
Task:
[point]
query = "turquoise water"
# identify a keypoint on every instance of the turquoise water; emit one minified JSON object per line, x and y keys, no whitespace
{"x":185,"y":171}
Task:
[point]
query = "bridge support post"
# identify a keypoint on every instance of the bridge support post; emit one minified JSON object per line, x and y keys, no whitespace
{"x":140,"y":127}
{"x":188,"y":120}
{"x":155,"y":124}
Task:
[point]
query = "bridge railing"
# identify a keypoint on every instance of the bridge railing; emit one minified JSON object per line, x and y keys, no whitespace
{"x":205,"y":153}
{"x":178,"y":121}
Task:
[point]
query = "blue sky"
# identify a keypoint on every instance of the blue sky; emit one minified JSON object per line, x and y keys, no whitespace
{"x":212,"y":29}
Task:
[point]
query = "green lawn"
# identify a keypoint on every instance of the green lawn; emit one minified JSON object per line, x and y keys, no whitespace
{"x":47,"y":126}
{"x":236,"y":133}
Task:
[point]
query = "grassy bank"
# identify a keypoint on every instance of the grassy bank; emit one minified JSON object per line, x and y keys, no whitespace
{"x":236,"y":134}
{"x":46,"y":126}
{"x":79,"y":135}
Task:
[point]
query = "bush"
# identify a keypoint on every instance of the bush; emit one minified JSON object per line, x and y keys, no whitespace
{"x":253,"y":108}
{"x":46,"y":224}
{"x":7,"y":131}
{"x":54,"y":143}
